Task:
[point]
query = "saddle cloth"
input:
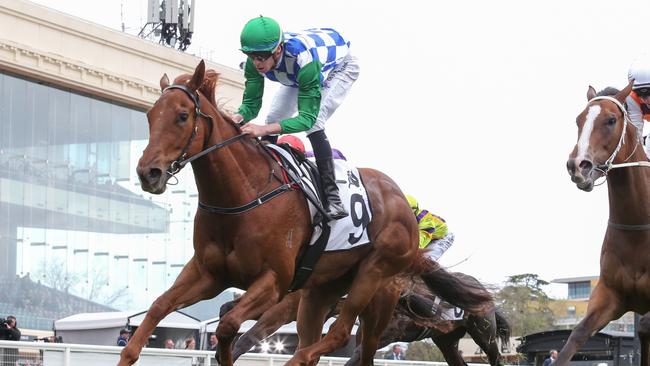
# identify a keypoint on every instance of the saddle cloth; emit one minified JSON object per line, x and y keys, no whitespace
{"x":446,"y":311}
{"x":348,"y":232}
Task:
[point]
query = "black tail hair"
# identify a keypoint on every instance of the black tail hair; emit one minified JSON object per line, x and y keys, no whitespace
{"x":503,"y":328}
{"x":457,"y":289}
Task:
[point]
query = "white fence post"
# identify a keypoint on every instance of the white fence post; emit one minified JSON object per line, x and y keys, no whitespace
{"x":66,"y":356}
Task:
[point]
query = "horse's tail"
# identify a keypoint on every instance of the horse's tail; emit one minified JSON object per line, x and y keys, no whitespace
{"x":457,"y":289}
{"x":503,"y":328}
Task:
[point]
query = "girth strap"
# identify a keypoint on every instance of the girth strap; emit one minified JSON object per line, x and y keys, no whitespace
{"x":249,"y":206}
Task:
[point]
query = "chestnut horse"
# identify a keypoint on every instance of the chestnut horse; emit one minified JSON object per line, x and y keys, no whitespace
{"x":608,"y":148}
{"x":251,"y":227}
{"x":411,"y":321}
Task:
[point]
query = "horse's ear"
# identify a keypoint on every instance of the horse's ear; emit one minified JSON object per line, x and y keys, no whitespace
{"x":197,"y":78}
{"x":591,"y":93}
{"x":164,"y":82}
{"x":620,"y":96}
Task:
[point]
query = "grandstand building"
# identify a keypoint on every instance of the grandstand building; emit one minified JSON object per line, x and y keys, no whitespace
{"x":73,"y":97}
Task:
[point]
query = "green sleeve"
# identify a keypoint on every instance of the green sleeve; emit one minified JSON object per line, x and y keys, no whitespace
{"x":253,"y":92}
{"x":308,"y":99}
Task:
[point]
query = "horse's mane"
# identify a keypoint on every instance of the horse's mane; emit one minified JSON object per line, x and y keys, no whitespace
{"x":207,"y":88}
{"x":610,"y":91}
{"x":607,"y":92}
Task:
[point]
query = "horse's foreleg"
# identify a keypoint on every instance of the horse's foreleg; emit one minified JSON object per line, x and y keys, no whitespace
{"x":644,"y":337}
{"x":314,"y":306}
{"x":374,"y":319}
{"x":192,"y":285}
{"x":281,"y":313}
{"x":259,"y":297}
{"x":602,"y":308}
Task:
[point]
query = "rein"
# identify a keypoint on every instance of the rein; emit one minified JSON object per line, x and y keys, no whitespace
{"x":181,"y":160}
{"x":626,"y":227}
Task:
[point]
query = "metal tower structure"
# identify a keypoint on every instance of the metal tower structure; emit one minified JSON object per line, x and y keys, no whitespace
{"x":171,"y":22}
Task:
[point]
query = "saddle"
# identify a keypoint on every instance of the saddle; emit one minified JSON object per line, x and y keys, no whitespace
{"x":328,"y":235}
{"x":297,"y":169}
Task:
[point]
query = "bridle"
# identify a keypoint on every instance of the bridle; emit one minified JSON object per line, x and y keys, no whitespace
{"x":608,"y":165}
{"x":183,"y":160}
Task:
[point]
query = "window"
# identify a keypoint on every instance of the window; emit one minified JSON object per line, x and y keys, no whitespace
{"x":579,"y":290}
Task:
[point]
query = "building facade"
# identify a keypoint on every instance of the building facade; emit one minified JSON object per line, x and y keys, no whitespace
{"x":572,"y":310}
{"x":73,"y":97}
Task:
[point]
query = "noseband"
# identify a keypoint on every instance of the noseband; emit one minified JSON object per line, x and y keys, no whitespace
{"x":181,"y":161}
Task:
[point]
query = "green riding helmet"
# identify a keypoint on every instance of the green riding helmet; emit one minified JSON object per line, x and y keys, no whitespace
{"x":261,"y":34}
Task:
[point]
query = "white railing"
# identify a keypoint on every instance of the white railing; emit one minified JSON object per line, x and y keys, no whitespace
{"x":63,"y":354}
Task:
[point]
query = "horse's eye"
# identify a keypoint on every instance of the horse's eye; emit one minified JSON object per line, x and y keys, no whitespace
{"x":183,"y":116}
{"x":611,"y":121}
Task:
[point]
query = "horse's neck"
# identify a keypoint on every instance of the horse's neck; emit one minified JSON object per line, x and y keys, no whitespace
{"x":629,"y":194}
{"x":232,"y":175}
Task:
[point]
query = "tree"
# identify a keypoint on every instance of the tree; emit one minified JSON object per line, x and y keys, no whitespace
{"x":525,"y":304}
{"x":423,"y":351}
{"x":56,"y":276}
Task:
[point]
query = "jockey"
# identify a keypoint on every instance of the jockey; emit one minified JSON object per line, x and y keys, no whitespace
{"x":638,"y":102}
{"x":316,"y":71}
{"x":434,"y":233}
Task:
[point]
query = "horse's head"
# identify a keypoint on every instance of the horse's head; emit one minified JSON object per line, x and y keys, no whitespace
{"x":174,"y":131}
{"x":602,"y":129}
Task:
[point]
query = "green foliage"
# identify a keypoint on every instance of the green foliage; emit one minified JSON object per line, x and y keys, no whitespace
{"x":525,"y":304}
{"x":423,"y":351}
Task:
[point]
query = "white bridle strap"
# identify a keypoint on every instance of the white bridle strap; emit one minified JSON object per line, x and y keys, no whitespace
{"x":621,"y":141}
{"x":626,"y":118}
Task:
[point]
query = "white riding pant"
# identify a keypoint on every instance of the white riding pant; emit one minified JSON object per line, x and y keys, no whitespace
{"x":333,"y":92}
{"x":438,"y":247}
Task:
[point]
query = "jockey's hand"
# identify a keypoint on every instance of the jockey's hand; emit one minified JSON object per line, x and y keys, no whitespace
{"x":237,"y":118}
{"x":261,"y":130}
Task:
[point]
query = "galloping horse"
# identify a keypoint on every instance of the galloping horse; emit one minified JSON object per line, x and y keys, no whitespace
{"x":406,"y":325}
{"x":608,"y":148}
{"x":251,"y":226}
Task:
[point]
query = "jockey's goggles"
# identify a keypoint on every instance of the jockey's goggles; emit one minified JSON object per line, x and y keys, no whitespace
{"x":643,"y":92}
{"x":259,"y":56}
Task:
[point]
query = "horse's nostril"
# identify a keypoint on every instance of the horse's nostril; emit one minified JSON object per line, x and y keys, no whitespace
{"x":586,"y":165}
{"x":154,"y":173}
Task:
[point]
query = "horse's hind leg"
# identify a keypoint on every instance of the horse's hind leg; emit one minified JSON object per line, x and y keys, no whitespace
{"x":448,"y":345}
{"x":604,"y":305}
{"x":192,"y":285}
{"x":374,"y":319}
{"x":644,"y":337}
{"x":484,"y":333}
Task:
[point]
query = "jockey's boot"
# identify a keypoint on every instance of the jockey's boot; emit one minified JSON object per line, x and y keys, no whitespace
{"x":334,"y":206}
